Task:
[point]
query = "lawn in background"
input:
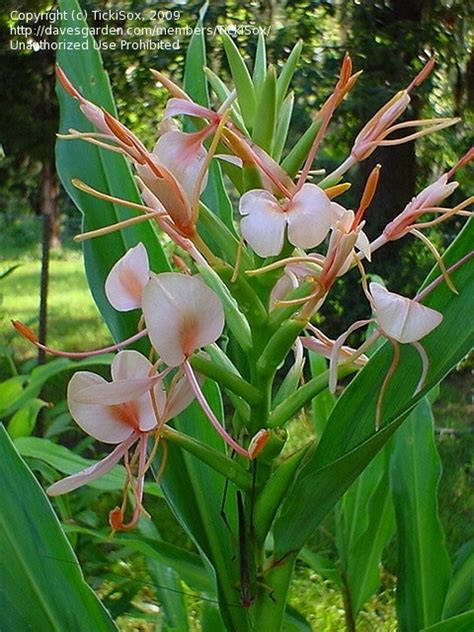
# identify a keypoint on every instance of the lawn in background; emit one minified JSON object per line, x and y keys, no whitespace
{"x":74,"y":322}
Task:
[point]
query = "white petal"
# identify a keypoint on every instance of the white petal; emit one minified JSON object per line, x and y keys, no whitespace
{"x":126,"y":280}
{"x":282,"y":287}
{"x":97,"y":420}
{"x":263,"y":226}
{"x":91,"y":473}
{"x":113,"y":393}
{"x":363,"y":245}
{"x":130,"y":364}
{"x":310,"y":216}
{"x":182,"y":314}
{"x":400,"y":318}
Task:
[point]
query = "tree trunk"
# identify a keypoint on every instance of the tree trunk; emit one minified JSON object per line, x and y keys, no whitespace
{"x":50,"y":239}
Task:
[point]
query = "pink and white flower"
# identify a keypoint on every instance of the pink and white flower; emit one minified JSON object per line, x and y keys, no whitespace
{"x":308,"y":216}
{"x":126,"y":280}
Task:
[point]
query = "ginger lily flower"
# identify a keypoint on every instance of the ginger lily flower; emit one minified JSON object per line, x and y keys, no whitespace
{"x":400,"y":320}
{"x":123,"y":412}
{"x":120,"y":412}
{"x":174,"y":171}
{"x":183,"y":314}
{"x":430,"y":197}
{"x":308,"y":215}
{"x":126,"y":280}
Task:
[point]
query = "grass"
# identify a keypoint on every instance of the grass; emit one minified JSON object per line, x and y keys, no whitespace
{"x":74,"y":323}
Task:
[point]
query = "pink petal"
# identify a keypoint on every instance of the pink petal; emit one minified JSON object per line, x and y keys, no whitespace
{"x":91,"y":473}
{"x":132,"y":365}
{"x":310,"y":216}
{"x":169,"y":193}
{"x":97,"y":420}
{"x":400,"y":318}
{"x":183,"y":155}
{"x":126,"y":280}
{"x":179,"y":398}
{"x":113,"y":393}
{"x":182,"y":314}
{"x":176,"y":106}
{"x":263,"y":226}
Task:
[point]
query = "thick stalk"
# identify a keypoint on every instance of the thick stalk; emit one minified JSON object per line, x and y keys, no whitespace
{"x":270,"y":604}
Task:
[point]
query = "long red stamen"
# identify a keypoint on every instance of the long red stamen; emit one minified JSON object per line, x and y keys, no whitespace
{"x":30,"y":335}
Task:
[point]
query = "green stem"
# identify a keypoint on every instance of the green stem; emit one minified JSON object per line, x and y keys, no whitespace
{"x":292,"y":404}
{"x":227,"y":379}
{"x":272,"y":494}
{"x":270,"y":604}
{"x":219,"y":462}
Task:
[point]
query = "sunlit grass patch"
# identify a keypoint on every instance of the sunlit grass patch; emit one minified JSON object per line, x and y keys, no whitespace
{"x":73,"y":319}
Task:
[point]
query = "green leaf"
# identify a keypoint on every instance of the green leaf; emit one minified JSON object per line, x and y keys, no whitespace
{"x":423,"y":562}
{"x":11,"y":390}
{"x":68,"y":462}
{"x":104,"y":170}
{"x":295,"y":621}
{"x":260,"y":64}
{"x":265,"y":117}
{"x":187,"y":565}
{"x":460,"y":595}
{"x":460,"y":623}
{"x":323,"y":565}
{"x":323,"y":403}
{"x":41,"y":583}
{"x":22,"y":388}
{"x":287,"y":72}
{"x":222,"y":92}
{"x":296,"y":156}
{"x":283,"y":125}
{"x":364,"y":526}
{"x":349,"y":441}
{"x":242,"y":80}
{"x":23,"y":421}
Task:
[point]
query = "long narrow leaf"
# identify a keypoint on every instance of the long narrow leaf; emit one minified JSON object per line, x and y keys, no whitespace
{"x":423,"y":563}
{"x":365,"y":525}
{"x":41,"y":583}
{"x":242,"y":80}
{"x":460,"y":595}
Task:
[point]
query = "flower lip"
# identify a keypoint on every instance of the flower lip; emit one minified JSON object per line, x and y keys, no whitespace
{"x":400,"y":318}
